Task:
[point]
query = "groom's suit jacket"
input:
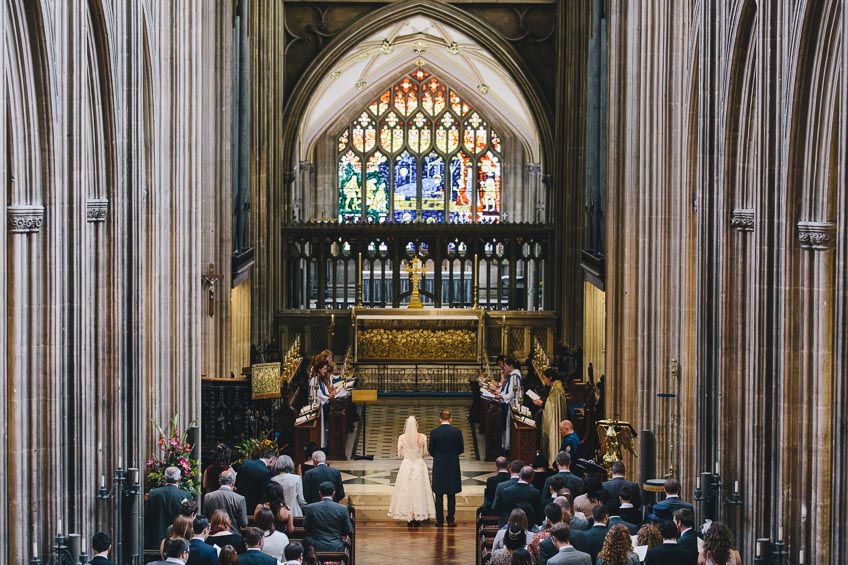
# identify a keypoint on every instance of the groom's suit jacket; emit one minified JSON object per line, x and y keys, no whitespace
{"x":446,"y":445}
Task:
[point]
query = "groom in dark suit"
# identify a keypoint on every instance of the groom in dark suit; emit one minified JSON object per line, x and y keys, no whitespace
{"x":446,"y":445}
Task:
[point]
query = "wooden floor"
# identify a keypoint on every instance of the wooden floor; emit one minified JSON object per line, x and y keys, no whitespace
{"x":387,"y":542}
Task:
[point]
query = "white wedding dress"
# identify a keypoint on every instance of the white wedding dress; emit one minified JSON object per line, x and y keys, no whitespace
{"x":412,"y":498}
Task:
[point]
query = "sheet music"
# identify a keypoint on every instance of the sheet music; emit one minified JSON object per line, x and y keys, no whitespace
{"x":640,"y":550}
{"x":532,"y":395}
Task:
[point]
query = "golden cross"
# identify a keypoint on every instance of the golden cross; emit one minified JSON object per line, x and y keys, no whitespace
{"x":416,"y":272}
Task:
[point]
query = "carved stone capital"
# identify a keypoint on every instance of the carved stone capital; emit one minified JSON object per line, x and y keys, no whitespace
{"x":289,"y":176}
{"x":533,"y":168}
{"x":819,"y":236}
{"x":306,"y":166}
{"x":742,"y":219}
{"x":24,"y":218}
{"x":96,"y":210}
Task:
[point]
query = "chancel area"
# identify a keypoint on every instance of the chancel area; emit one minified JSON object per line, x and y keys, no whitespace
{"x":523,"y":282}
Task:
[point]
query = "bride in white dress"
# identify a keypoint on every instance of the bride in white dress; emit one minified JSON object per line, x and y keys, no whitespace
{"x":412,"y":499}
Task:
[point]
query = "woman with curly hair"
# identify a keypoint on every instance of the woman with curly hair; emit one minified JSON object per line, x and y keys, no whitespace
{"x":618,"y":550}
{"x":718,"y":547}
{"x":649,"y":535}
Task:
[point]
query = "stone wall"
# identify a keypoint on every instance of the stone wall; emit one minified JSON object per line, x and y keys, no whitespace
{"x":726,"y":253}
{"x":114,"y":157}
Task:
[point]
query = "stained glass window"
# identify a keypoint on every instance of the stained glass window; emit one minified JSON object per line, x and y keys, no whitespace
{"x":350,"y":187}
{"x":406,"y":188}
{"x":377,"y":188}
{"x":422,"y":154}
{"x":433,"y":189}
{"x":489,"y":188}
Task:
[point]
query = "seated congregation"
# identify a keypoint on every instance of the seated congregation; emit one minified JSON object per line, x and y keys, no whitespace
{"x":536,"y":518}
{"x":265,"y":514}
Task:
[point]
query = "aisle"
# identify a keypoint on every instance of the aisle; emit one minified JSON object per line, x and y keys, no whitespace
{"x":369,"y":484}
{"x":381,"y":542}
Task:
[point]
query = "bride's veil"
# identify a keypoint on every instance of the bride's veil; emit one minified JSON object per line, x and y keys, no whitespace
{"x":410,"y":432}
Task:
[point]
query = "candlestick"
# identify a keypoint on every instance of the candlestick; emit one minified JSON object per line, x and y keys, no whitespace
{"x":780,"y":533}
{"x":736,"y":486}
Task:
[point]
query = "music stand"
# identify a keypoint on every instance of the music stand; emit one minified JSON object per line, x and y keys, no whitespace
{"x":364,"y":397}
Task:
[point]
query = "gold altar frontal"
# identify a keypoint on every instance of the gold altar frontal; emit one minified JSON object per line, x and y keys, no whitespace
{"x":418,"y":335}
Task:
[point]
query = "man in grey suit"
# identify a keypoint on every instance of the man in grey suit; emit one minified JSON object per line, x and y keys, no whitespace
{"x":327,"y":522}
{"x":566,"y":554}
{"x":226,"y":499}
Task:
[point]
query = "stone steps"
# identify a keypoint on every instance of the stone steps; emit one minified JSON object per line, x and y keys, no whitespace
{"x":375,"y":506}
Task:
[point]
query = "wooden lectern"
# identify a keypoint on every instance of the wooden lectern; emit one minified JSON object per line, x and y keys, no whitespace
{"x":364,"y":397}
{"x":522,"y":442}
{"x":305,"y":434}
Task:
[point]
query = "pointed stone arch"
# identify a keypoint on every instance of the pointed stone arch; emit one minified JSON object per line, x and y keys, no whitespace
{"x":396,"y":12}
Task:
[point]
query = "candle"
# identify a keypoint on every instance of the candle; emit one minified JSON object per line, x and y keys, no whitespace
{"x":102,"y":481}
{"x":801,"y":557}
{"x":780,"y":533}
{"x":736,"y":487}
{"x":35,"y":550}
{"x":697,"y":483}
{"x":757,"y":553}
{"x":717,"y":466}
{"x":121,"y":463}
{"x":60,"y":525}
{"x":82,"y":543}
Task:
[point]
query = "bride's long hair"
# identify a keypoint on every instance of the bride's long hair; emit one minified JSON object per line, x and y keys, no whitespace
{"x":410,"y":432}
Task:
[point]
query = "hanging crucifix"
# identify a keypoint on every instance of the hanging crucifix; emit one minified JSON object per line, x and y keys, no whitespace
{"x":211,"y":278}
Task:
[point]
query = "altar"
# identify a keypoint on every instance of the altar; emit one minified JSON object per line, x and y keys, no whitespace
{"x":446,"y":335}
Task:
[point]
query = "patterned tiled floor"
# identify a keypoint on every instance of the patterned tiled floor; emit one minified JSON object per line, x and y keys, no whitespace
{"x":369,"y":484}
{"x":386,"y":419}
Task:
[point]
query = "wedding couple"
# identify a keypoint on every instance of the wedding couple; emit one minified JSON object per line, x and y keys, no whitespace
{"x":412,"y":499}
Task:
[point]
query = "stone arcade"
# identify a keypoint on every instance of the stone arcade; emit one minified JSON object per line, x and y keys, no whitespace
{"x":190,"y":186}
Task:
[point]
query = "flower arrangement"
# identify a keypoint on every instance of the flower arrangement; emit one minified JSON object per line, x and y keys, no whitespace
{"x":252,"y":447}
{"x":174,"y":452}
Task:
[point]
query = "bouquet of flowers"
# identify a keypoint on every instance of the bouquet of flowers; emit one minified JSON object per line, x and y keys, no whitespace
{"x":252,"y":447}
{"x":174,"y":451}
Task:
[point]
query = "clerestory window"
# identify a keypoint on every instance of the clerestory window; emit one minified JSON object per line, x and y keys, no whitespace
{"x":422,"y":154}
